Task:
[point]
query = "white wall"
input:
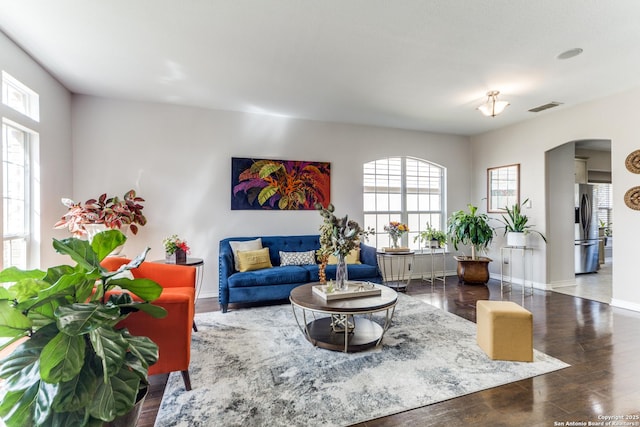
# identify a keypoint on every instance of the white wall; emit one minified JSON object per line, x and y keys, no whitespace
{"x":179,"y":160}
{"x":54,"y":129}
{"x":613,"y":118}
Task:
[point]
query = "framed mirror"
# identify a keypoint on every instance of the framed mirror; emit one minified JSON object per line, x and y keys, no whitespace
{"x":503,"y":187}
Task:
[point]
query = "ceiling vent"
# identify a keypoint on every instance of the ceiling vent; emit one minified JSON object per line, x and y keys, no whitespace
{"x":545,"y":107}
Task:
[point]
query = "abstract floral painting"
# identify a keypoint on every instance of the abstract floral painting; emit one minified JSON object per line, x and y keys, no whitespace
{"x":279,"y":184}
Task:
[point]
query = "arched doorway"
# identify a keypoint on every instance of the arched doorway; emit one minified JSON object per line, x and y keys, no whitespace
{"x":585,"y":161}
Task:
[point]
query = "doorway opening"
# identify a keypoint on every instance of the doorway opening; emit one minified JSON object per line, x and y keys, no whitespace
{"x":574,"y":269}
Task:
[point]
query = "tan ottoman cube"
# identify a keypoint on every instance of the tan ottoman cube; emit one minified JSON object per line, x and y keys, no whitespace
{"x":505,"y":330}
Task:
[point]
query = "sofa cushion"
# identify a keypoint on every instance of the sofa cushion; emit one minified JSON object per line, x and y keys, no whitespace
{"x":254,"y":260}
{"x":352,"y":258}
{"x":270,"y":276}
{"x":297,"y":258}
{"x":250,"y":245}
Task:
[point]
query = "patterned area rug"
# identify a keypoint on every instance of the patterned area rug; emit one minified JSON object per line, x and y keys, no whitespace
{"x":253,"y":367}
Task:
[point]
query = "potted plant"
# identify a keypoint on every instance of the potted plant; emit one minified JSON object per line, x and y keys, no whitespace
{"x":431,"y":237}
{"x":516,"y":226}
{"x":175,"y":249}
{"x":472,"y":229}
{"x":109,"y":212}
{"x":75,"y":367}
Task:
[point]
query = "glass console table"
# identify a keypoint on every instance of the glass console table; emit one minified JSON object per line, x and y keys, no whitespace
{"x":525,"y":254}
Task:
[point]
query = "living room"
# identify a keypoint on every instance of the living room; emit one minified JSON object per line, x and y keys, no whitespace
{"x":178,"y":155}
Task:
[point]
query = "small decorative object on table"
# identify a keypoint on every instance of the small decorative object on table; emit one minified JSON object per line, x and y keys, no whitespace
{"x":176,"y":250}
{"x":396,"y":230}
{"x":352,"y":290}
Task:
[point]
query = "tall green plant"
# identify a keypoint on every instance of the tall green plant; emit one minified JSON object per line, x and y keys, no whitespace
{"x":76,"y":368}
{"x":516,"y":222}
{"x":470,"y":228}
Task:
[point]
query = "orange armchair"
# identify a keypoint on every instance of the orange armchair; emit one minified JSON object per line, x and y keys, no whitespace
{"x":172,"y":333}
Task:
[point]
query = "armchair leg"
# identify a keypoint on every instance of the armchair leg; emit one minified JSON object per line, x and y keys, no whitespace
{"x":224,"y":308}
{"x":187,"y":380}
{"x":195,"y":328}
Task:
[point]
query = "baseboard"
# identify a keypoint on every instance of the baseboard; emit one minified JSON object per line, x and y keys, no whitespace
{"x":210,"y":294}
{"x":519,"y":281}
{"x":562,"y":284}
{"x":625,"y":304}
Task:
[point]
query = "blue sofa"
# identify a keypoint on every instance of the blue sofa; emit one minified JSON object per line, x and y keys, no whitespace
{"x":273,"y":284}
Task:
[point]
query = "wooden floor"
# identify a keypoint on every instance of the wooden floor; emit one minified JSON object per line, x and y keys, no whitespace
{"x":601,"y":343}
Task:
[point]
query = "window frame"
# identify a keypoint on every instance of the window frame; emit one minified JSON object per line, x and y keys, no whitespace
{"x":381,"y":238}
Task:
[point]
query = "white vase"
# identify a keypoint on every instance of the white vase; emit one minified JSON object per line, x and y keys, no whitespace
{"x":341,"y":274}
{"x":517,"y":239}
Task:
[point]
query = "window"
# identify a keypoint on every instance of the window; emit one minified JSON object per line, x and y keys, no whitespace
{"x":604,"y":205}
{"x":19,"y":175}
{"x":403,"y":189}
{"x":19,"y":97}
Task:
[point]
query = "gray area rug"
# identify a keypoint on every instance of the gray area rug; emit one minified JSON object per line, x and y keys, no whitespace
{"x":253,"y":367}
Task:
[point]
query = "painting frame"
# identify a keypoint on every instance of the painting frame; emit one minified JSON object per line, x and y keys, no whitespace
{"x":503,"y":187}
{"x":273,"y":184}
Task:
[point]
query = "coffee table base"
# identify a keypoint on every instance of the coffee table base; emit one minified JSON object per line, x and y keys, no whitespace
{"x":364,"y":335}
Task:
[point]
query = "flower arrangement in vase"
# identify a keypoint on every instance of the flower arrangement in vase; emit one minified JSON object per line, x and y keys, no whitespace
{"x":396,"y":230}
{"x":175,"y":249}
{"x":338,"y":236}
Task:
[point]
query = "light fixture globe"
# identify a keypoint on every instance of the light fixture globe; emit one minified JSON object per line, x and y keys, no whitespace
{"x":493,"y":107}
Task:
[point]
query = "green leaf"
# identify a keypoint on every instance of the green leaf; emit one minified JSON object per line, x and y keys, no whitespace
{"x":75,"y":394}
{"x":79,"y":250}
{"x":24,"y":360}
{"x":104,"y":243}
{"x":79,"y":418}
{"x":5,"y":294}
{"x":111,"y":347}
{"x":283,"y":203}
{"x":154,"y":311}
{"x":81,"y":318}
{"x":265,"y":194}
{"x":62,"y":358}
{"x":270,"y":168}
{"x":12,"y":322}
{"x":26,"y":289}
{"x":145,"y":289}
{"x":27,"y":399}
{"x":55,"y":273}
{"x":115,"y":396}
{"x":14,"y":274}
{"x":143,"y":348}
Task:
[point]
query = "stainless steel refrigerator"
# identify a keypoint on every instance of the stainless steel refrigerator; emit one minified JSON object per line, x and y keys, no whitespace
{"x":586,"y":230}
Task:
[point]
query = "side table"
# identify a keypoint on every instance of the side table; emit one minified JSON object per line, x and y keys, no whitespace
{"x":524,"y":252}
{"x":395,"y":268}
{"x":436,"y":253}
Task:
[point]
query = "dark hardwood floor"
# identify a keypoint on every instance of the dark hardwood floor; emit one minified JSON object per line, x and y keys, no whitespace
{"x":602,"y":344}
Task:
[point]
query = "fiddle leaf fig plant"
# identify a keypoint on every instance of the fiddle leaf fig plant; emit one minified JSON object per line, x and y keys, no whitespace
{"x":74,"y":366}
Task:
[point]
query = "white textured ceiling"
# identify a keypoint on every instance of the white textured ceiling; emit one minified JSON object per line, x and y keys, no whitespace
{"x":419,"y":64}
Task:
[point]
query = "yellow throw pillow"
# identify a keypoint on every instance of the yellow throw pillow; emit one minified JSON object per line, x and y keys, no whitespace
{"x":254,"y":260}
{"x":352,"y":258}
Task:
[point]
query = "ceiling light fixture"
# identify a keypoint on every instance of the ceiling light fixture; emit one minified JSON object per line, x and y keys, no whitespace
{"x":570,"y":53}
{"x":493,"y":107}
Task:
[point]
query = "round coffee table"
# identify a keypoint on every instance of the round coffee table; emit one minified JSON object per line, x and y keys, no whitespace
{"x":349,"y":326}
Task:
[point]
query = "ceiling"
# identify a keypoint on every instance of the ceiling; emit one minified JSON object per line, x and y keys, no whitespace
{"x":412,"y":64}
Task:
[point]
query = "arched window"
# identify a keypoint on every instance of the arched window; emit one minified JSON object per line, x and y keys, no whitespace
{"x":403,"y":189}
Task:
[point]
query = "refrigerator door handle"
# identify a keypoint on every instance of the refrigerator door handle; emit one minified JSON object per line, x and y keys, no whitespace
{"x":585,"y":214}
